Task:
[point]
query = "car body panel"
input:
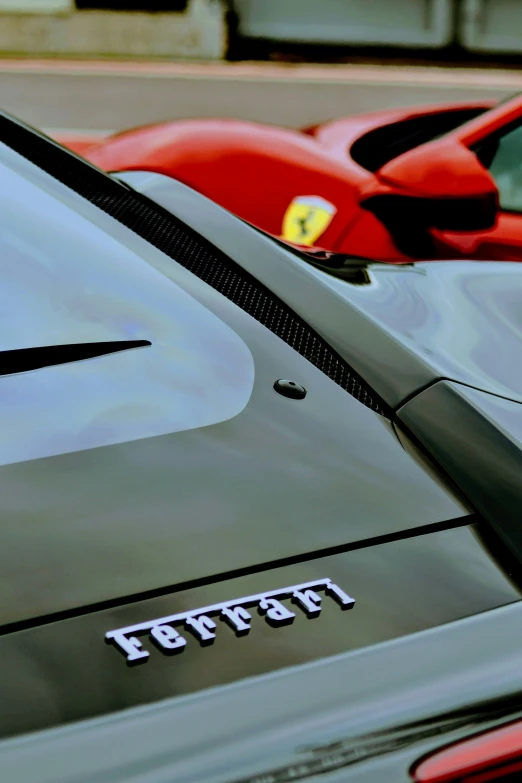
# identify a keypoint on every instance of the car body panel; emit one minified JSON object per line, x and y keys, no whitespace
{"x":473,"y":433}
{"x":367,"y":714}
{"x":69,"y":673}
{"x":418,"y":304}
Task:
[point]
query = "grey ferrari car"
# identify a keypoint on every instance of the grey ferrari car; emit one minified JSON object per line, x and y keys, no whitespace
{"x":261,"y":514}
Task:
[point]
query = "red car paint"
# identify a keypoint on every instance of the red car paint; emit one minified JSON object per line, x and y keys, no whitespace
{"x":256,"y":171}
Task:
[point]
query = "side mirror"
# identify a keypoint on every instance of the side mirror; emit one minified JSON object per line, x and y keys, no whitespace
{"x":441,"y":185}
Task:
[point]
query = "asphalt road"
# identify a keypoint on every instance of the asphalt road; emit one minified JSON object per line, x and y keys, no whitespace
{"x":102,"y":96}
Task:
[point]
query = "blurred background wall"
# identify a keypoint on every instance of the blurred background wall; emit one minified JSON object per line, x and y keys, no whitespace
{"x":246,"y":29}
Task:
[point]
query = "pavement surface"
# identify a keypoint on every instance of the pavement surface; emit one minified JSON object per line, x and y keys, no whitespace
{"x":107,"y":96}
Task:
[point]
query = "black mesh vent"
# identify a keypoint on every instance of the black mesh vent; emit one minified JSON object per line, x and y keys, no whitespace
{"x":187,"y":248}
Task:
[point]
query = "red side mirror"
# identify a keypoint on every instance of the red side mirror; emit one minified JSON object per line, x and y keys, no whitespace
{"x":441,"y":169}
{"x":441,"y":185}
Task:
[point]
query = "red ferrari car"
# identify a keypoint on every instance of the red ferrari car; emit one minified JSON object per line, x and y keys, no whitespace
{"x":429,"y":182}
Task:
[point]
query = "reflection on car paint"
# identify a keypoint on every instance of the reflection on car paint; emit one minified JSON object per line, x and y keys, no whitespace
{"x":197,"y":372}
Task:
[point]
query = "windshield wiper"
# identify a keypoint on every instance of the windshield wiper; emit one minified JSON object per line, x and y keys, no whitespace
{"x":27,"y":359}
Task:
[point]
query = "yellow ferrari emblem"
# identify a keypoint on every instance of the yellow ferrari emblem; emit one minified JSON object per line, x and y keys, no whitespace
{"x":306,"y":219}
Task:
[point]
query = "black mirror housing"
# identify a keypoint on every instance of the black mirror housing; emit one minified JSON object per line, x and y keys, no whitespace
{"x":409,"y":219}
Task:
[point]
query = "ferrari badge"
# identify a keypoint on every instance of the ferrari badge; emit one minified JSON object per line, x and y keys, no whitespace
{"x":234,"y":613}
{"x":306,"y":219}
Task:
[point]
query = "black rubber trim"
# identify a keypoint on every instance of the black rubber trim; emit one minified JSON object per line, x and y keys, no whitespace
{"x":186,"y":247}
{"x":29,"y":359}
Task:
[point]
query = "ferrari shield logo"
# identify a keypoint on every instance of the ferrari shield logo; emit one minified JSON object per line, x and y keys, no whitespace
{"x":306,"y":219}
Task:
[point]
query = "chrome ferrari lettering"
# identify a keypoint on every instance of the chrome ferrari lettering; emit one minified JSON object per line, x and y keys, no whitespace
{"x":276,"y":613}
{"x":340,"y":596}
{"x":130,"y":646}
{"x":199,"y":621}
{"x":168,"y":639}
{"x":238,"y":618}
{"x":202,"y":627}
{"x":309,"y":601}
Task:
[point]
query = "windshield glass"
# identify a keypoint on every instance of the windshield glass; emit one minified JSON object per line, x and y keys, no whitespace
{"x":502,"y":155}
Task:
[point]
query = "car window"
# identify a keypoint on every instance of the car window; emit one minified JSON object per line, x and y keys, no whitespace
{"x":503,"y":158}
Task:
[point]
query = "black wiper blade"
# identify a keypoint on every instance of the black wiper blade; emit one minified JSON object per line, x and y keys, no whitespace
{"x":27,"y":359}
